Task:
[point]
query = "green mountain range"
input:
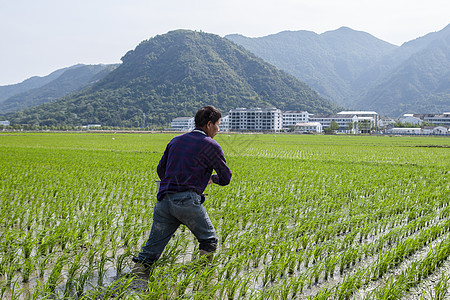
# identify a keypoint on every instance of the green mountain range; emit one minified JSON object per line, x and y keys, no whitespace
{"x":415,"y":78}
{"x":39,"y":90}
{"x":34,"y":82}
{"x":173,"y":75}
{"x":331,"y":62}
{"x":359,"y":71}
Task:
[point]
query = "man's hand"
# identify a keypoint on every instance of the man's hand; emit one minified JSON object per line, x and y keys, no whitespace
{"x":210,"y":180}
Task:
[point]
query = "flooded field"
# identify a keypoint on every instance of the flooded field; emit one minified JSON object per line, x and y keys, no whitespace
{"x":305,"y":217}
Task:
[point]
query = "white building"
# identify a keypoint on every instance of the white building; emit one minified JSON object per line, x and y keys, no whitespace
{"x":438,"y":130}
{"x":291,"y":118}
{"x":255,"y":119}
{"x":348,"y":123}
{"x":427,"y":130}
{"x":405,"y":130}
{"x":437,"y":119}
{"x":225,"y":123}
{"x":363,"y":114}
{"x":308,"y":127}
{"x":183,"y":124}
{"x":93,"y":126}
{"x":441,"y":130}
{"x":409,"y":118}
{"x":188,"y":124}
{"x":386,"y":122}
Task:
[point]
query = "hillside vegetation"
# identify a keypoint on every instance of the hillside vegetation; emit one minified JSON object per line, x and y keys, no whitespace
{"x":359,"y":71}
{"x":330,"y":62}
{"x":173,"y":75}
{"x":42,"y":90}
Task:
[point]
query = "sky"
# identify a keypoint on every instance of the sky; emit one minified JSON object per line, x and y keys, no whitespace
{"x":40,"y":36}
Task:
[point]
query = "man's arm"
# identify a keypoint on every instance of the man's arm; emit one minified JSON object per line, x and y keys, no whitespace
{"x":223,"y":176}
{"x":161,"y":169}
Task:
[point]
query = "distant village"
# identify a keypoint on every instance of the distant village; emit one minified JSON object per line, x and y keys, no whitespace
{"x":350,"y":122}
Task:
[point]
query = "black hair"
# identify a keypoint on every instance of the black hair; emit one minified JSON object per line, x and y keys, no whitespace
{"x":206,"y":114}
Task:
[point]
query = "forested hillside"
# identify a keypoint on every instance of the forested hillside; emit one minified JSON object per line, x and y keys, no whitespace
{"x":416,"y":78}
{"x":69,"y":80}
{"x":361,"y":72}
{"x":173,"y":75}
{"x":331,"y":62}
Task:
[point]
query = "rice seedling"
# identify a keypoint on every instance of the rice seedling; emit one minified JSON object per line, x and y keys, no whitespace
{"x":3,"y":288}
{"x":118,"y":289}
{"x":245,"y":286}
{"x":55,"y":275}
{"x":10,"y":271}
{"x":16,"y":291}
{"x":120,"y":262}
{"x":101,"y":267}
{"x":304,"y":217}
{"x":81,"y":281}
{"x":42,"y":264}
{"x":37,"y":292}
{"x":441,"y":290}
{"x":72,"y":270}
{"x":324,"y":294}
{"x":27,"y":267}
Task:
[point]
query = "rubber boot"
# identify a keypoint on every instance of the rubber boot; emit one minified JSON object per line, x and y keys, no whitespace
{"x":141,"y":271}
{"x":206,"y":256}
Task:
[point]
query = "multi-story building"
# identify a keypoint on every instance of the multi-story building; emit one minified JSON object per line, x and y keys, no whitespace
{"x":188,"y":123}
{"x":183,"y":123}
{"x":385,"y":122}
{"x":409,"y":118}
{"x":308,"y":127}
{"x":436,"y":130}
{"x":438,"y":119}
{"x":362,"y":115}
{"x":291,"y":118}
{"x":272,"y":119}
{"x":255,"y":119}
{"x":424,"y":130}
{"x":225,"y":123}
{"x":405,"y":131}
{"x":349,"y":123}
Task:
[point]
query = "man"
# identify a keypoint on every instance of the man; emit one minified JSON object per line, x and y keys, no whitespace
{"x":185,"y":170}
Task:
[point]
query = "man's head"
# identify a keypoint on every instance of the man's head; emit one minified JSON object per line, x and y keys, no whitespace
{"x":208,"y":118}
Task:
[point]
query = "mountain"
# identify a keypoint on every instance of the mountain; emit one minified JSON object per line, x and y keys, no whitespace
{"x":56,"y":85}
{"x":416,"y":78}
{"x":173,"y":75}
{"x":359,"y":71}
{"x":7,"y":91}
{"x":331,"y":62}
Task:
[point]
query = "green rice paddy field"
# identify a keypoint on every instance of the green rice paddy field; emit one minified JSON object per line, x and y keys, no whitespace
{"x":305,"y":217}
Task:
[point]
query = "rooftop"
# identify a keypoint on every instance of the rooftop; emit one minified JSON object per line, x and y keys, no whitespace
{"x":357,"y":112}
{"x":308,"y":124}
{"x":294,"y":111}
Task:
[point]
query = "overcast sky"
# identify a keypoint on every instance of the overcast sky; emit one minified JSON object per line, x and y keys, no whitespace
{"x":41,"y":36}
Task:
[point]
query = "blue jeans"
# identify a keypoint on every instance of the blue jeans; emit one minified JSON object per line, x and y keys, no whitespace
{"x":175,"y":209}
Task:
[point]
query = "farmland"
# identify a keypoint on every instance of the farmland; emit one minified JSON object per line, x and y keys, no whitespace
{"x":305,"y":217}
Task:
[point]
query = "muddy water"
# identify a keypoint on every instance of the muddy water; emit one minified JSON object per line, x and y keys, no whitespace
{"x":22,"y":290}
{"x":427,"y":283}
{"x":110,"y":276}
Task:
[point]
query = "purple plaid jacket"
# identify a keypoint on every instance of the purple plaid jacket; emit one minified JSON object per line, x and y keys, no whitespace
{"x":188,"y":162}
